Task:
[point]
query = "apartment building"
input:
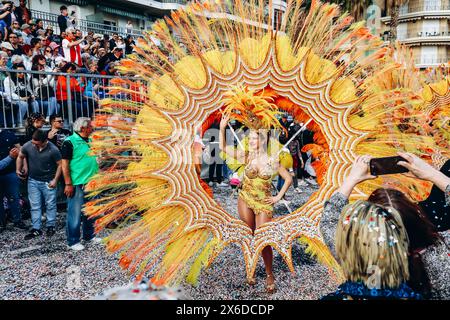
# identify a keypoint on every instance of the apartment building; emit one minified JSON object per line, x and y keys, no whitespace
{"x":425,"y":26}
{"x":113,"y":15}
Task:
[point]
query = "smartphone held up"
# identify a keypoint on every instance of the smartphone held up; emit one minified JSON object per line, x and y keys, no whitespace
{"x":387,"y":165}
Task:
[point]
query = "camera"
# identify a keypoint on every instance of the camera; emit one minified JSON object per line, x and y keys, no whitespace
{"x":8,"y":5}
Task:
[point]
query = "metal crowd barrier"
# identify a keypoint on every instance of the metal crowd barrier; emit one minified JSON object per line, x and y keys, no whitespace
{"x":72,"y":95}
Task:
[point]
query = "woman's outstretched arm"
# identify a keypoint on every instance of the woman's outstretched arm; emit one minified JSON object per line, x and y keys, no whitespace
{"x":229,"y":150}
{"x":333,"y":207}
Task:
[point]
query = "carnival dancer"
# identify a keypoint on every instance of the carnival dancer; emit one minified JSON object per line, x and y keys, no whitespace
{"x":255,"y":202}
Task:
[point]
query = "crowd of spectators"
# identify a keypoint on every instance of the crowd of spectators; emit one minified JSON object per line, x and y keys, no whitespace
{"x":29,"y":44}
{"x":47,"y":165}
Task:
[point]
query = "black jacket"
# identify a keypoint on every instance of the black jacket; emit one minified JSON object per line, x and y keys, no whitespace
{"x":105,"y":60}
{"x":62,"y":23}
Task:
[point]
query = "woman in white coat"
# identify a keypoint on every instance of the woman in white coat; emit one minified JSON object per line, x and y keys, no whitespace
{"x":19,"y":93}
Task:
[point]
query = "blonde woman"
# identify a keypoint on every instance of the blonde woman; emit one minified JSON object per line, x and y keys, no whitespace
{"x":372,"y":249}
{"x":255,"y":203}
{"x":356,"y":238}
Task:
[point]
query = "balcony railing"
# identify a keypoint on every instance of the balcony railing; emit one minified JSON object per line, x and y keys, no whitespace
{"x":417,"y":11}
{"x":422,"y":34}
{"x":431,"y":61}
{"x":84,"y":25}
{"x":172,"y":1}
{"x":425,"y":8}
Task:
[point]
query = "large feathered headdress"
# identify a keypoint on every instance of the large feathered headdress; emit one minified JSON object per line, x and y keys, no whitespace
{"x":255,"y":110}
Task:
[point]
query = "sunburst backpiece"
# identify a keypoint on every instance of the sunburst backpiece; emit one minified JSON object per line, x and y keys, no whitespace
{"x":424,"y":117}
{"x":318,"y":65}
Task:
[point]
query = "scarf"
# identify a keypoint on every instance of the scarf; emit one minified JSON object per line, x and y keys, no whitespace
{"x":75,"y":54}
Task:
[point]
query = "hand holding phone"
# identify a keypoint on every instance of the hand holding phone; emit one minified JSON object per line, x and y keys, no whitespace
{"x":388,"y":165}
{"x":417,"y":167}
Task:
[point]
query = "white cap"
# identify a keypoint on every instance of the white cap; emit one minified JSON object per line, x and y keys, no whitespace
{"x":7,"y":46}
{"x":58,"y":60}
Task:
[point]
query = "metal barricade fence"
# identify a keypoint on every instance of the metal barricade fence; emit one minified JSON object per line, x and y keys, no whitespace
{"x":71,"y":95}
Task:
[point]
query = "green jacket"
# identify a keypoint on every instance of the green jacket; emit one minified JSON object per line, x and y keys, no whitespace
{"x":83,"y":165}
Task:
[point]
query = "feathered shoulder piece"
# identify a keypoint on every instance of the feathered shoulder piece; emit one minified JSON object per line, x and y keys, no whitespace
{"x":255,"y":110}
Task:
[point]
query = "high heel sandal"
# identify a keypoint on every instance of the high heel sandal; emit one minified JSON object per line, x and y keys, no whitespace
{"x":251,"y":281}
{"x":270,"y":287}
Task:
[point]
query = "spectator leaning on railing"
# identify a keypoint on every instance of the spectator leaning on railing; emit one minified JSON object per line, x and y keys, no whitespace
{"x":11,"y":61}
{"x":26,"y":40}
{"x":43,"y":87}
{"x":80,"y":105}
{"x":26,"y":57}
{"x":19,"y":93}
{"x":129,"y":27}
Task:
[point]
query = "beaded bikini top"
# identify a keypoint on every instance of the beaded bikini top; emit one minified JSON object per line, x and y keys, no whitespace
{"x":266,"y":173}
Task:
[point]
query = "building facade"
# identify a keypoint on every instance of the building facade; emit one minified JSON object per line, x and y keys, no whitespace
{"x":425,"y":26}
{"x":113,"y":15}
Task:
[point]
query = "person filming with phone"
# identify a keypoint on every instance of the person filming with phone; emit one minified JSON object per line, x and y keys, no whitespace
{"x":71,"y":47}
{"x":40,"y":161}
{"x":5,"y":15}
{"x":428,"y":258}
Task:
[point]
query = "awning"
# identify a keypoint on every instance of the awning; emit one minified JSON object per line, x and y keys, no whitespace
{"x":122,"y":13}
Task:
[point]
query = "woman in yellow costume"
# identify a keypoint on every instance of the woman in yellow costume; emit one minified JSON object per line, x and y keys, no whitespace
{"x":255,"y":202}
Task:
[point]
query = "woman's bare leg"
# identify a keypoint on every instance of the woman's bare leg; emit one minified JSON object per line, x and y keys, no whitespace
{"x":267,"y":253}
{"x":246,"y":214}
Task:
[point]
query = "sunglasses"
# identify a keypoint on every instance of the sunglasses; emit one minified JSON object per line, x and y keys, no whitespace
{"x":48,"y":51}
{"x":60,"y":121}
{"x":13,"y":37}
